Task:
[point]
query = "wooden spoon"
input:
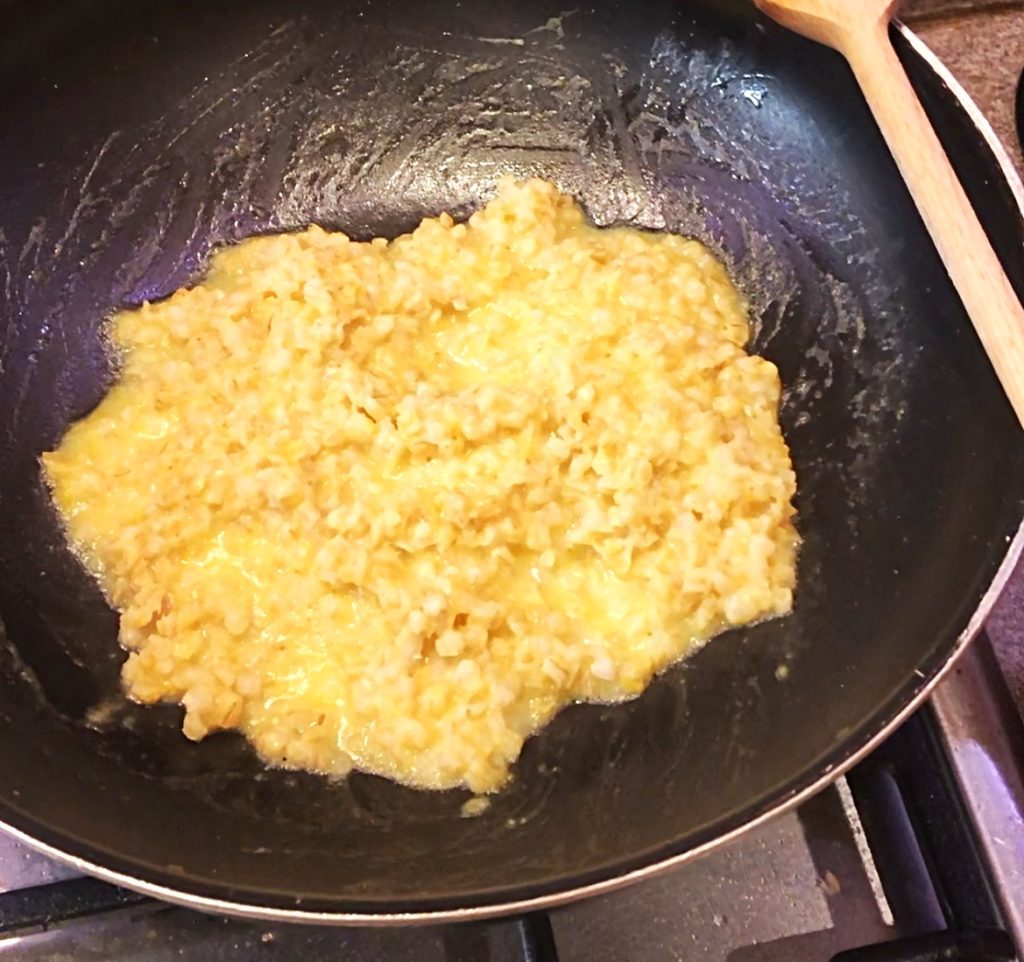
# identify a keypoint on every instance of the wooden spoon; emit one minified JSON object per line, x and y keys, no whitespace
{"x":859,"y":30}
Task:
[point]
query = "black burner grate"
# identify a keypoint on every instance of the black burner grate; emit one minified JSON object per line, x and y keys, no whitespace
{"x":917,"y":828}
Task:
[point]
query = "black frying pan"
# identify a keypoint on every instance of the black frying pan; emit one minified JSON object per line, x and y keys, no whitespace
{"x":136,"y":137}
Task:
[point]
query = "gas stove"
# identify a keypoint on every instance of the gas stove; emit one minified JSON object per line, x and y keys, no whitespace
{"x":917,"y":854}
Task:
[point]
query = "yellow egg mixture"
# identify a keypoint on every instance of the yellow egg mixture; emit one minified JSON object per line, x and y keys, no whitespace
{"x":391,"y":505}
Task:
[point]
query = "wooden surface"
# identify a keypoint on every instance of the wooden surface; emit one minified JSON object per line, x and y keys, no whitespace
{"x":860,"y":32}
{"x":983,"y":45}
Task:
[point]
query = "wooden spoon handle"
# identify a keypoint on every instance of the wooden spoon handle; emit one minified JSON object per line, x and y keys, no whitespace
{"x":947,"y":213}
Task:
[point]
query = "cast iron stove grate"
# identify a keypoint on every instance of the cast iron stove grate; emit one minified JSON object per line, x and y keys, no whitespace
{"x":915,"y":822}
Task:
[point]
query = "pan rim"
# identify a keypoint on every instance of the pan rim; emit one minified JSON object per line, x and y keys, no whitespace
{"x":620,"y":879}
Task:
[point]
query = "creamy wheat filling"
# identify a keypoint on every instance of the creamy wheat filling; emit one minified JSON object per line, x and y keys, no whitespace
{"x":392,"y":505}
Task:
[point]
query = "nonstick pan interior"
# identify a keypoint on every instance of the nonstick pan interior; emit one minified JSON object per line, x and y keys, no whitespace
{"x":138,"y":137}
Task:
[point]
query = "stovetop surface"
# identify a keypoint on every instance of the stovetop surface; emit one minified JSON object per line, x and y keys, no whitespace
{"x":885,"y":854}
{"x":797,"y":888}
